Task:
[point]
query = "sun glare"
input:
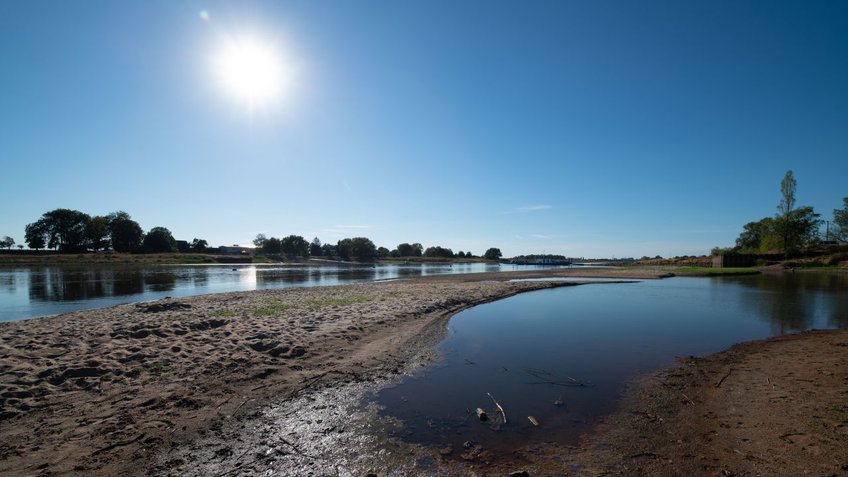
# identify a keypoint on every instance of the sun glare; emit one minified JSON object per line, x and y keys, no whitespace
{"x":251,"y":71}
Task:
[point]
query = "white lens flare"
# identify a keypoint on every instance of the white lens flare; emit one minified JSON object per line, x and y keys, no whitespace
{"x":251,"y":70}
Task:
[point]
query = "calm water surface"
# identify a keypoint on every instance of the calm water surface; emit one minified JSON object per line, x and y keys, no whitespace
{"x":30,"y":291}
{"x":525,"y":350}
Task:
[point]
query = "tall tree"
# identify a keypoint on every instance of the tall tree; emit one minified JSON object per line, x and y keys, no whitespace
{"x":787,"y":194}
{"x":260,"y":240}
{"x":840,"y":220}
{"x":62,"y":228}
{"x":295,"y":246}
{"x":784,"y":209}
{"x":492,"y":254}
{"x":35,"y":234}
{"x":357,"y":248}
{"x":315,"y":248}
{"x":272,"y":246}
{"x":159,"y":240}
{"x":126,"y":234}
{"x":97,"y":233}
{"x":405,"y":250}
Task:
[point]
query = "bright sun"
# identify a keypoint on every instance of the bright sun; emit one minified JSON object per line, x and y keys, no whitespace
{"x":251,"y":70}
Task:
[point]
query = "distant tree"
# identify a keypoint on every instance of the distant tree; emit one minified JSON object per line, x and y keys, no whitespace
{"x":395,"y":253}
{"x":417,"y":250}
{"x":20,"y":247}
{"x":784,"y":209}
{"x":34,"y":236}
{"x":383,"y":252}
{"x":272,"y":245}
{"x":329,"y":250}
{"x":124,"y":232}
{"x":159,"y":240}
{"x":405,"y":250}
{"x":800,"y":229}
{"x":438,"y":252}
{"x":469,"y":255}
{"x":760,"y":236}
{"x":295,"y":246}
{"x":7,"y":242}
{"x":356,"y":248}
{"x":97,"y":233}
{"x":199,"y":245}
{"x":787,"y":194}
{"x":840,"y":220}
{"x":63,"y":229}
{"x":460,"y":254}
{"x":492,"y":254}
{"x":260,"y":240}
{"x":315,"y":248}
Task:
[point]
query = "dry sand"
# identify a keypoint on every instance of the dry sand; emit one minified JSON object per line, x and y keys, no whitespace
{"x":110,"y":391}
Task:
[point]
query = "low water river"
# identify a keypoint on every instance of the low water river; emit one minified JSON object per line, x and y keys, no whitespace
{"x":565,"y":355}
{"x":30,"y":291}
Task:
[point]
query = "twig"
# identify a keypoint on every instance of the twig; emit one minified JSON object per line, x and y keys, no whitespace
{"x":239,"y":406}
{"x":724,"y":377}
{"x":503,"y":413}
{"x":687,"y":398}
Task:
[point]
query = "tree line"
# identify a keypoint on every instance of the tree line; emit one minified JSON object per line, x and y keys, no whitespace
{"x":356,"y":248}
{"x":67,"y":230}
{"x":72,"y":231}
{"x":792,"y":230}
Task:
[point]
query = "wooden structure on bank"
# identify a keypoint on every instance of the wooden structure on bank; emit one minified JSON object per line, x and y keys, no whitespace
{"x":728,"y":260}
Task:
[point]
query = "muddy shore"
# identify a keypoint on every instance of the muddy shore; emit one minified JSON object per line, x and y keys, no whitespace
{"x":264,"y":382}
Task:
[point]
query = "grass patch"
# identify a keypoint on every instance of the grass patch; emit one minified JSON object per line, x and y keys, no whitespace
{"x":714,"y":272}
{"x":226,"y":313}
{"x":840,"y":413}
{"x":272,"y":308}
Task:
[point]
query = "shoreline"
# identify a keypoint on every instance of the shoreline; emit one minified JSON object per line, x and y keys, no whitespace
{"x":100,"y":391}
{"x":105,"y":392}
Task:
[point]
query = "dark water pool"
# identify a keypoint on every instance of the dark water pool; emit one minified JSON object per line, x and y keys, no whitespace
{"x":530,"y":351}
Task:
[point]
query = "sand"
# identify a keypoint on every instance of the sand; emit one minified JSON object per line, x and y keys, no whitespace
{"x":145,"y":389}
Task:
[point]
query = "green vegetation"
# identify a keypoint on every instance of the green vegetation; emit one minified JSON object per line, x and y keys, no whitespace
{"x":793,"y":231}
{"x":492,"y":254}
{"x":272,"y":308}
{"x":68,"y":231}
{"x":226,"y":313}
{"x":159,"y":240}
{"x":711,"y":272}
{"x":840,"y":222}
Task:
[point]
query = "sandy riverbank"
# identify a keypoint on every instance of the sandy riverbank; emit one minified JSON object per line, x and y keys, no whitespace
{"x":99,"y":392}
{"x":191,"y":387}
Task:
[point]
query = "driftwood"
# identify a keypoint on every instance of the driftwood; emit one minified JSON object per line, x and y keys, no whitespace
{"x":503,"y":413}
{"x":724,"y":377}
{"x":481,"y":414}
{"x":533,"y":421}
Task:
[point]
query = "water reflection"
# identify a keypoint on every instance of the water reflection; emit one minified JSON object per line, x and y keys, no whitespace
{"x":37,"y":291}
{"x":599,"y":333}
{"x":793,"y":302}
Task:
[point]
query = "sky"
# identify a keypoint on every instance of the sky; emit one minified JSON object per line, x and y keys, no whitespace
{"x":588,"y":129}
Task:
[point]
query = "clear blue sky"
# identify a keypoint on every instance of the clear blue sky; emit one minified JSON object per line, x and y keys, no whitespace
{"x":583,"y":128}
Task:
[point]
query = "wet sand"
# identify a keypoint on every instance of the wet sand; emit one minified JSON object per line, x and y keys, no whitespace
{"x":268,"y":382}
